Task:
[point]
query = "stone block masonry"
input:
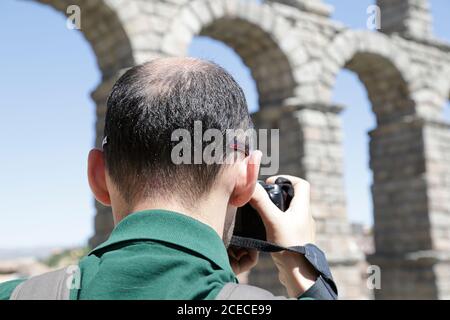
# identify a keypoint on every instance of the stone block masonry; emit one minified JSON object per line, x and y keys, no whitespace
{"x":295,"y":51}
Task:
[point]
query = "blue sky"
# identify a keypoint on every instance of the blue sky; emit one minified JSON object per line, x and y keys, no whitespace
{"x":47,"y":121}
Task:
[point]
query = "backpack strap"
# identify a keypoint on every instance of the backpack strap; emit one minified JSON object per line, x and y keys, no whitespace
{"x":235,"y":291}
{"x":48,"y":286}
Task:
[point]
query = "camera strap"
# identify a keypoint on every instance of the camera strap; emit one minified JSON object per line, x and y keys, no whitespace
{"x":263,"y":246}
{"x":312,"y":253}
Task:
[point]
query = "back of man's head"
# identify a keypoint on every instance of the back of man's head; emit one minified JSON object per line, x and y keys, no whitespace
{"x":147,"y":104}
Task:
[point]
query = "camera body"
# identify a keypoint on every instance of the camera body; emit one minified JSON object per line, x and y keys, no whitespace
{"x":248,"y":223}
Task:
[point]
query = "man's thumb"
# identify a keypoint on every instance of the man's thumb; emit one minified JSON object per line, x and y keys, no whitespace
{"x":261,"y":202}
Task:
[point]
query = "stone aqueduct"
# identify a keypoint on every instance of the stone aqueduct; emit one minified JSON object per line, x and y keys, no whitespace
{"x":295,"y":50}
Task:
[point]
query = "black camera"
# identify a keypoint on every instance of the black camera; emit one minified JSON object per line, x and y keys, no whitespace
{"x":248,"y":223}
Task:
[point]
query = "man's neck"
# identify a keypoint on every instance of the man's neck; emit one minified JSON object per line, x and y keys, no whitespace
{"x":211,"y":211}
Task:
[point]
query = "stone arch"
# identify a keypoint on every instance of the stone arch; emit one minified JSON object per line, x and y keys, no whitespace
{"x":104,"y":27}
{"x":446,"y":79}
{"x":443,"y":91}
{"x":257,"y":34}
{"x":267,"y":44}
{"x":382,"y":67}
{"x":285,"y":44}
{"x":447,"y":95}
{"x":434,"y":94}
{"x":400,"y":98}
{"x":114,"y":31}
{"x":431,"y":90}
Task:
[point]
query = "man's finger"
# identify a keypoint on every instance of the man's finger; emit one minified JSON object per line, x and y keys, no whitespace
{"x":261,"y":202}
{"x":249,"y":260}
{"x":292,"y":179}
{"x":301,"y":192}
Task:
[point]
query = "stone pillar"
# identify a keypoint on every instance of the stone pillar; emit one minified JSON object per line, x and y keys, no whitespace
{"x":437,"y":153}
{"x":410,"y":18}
{"x":103,"y":221}
{"x":401,"y":222}
{"x":311,"y":147}
{"x":409,"y":159}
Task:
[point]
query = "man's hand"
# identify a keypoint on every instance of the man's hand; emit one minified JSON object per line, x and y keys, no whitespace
{"x":294,"y":227}
{"x":241,"y":259}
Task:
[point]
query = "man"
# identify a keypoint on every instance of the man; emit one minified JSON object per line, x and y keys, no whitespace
{"x":174,"y":221}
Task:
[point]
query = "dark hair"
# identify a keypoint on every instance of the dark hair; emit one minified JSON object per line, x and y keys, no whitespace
{"x":147,"y":104}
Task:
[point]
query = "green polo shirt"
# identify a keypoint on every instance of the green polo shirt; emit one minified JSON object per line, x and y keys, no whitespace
{"x":154,"y":254}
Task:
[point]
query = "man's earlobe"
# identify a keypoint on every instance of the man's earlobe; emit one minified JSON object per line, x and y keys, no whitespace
{"x":97,"y":177}
{"x":245,"y":184}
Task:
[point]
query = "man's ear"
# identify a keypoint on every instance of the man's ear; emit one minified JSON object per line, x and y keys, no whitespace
{"x":97,"y":177}
{"x":246,"y":181}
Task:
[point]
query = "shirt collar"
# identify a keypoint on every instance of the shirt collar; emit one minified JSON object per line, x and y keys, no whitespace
{"x":174,"y":228}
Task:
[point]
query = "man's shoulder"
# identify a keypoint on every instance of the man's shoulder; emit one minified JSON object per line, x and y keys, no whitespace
{"x":7,"y":288}
{"x":147,"y":269}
